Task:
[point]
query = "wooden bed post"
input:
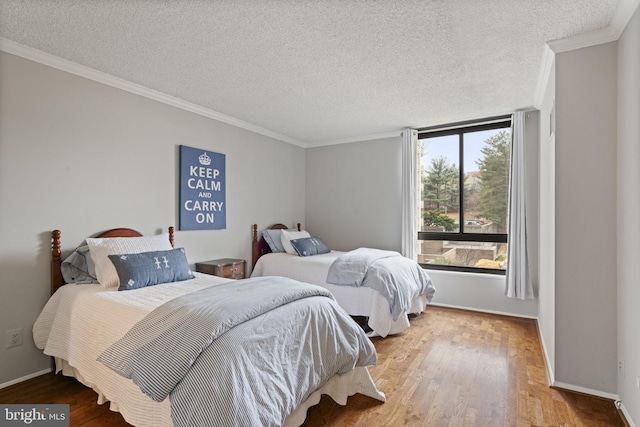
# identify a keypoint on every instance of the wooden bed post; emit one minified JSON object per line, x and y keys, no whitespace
{"x":258,"y":246}
{"x":171,"y":230}
{"x":255,"y":248}
{"x":56,"y":262}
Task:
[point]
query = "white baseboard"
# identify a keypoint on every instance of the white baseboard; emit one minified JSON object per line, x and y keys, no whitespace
{"x":627,"y":417}
{"x":26,"y":377}
{"x":545,"y":355}
{"x":585,"y":390}
{"x":500,"y":313}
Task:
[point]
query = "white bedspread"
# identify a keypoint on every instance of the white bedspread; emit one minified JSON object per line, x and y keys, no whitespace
{"x":80,"y":321}
{"x":356,"y":301}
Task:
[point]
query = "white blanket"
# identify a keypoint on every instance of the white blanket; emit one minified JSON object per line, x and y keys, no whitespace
{"x":357,"y":301}
{"x":351,"y":268}
{"x":398,"y":279}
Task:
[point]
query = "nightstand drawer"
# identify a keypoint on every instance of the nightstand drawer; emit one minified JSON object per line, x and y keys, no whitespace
{"x":229,"y":268}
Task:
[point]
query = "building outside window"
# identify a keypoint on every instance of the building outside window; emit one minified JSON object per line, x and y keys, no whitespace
{"x":464,"y":196}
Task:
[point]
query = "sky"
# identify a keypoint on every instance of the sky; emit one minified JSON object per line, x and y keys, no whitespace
{"x":447,"y":147}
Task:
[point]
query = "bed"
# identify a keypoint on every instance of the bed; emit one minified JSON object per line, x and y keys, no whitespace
{"x":240,"y":370}
{"x":383,"y":314}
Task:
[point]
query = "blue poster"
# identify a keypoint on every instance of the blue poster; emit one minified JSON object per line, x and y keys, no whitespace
{"x":202,"y":190}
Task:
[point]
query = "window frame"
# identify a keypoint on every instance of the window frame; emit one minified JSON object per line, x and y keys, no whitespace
{"x":500,"y":122}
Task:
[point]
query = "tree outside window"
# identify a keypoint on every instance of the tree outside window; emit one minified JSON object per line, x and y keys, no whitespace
{"x":464,"y":187}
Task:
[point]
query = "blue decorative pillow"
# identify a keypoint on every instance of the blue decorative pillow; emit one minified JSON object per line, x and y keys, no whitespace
{"x":151,"y":268}
{"x":308,"y":246}
{"x":79,"y":267}
{"x":273,"y":239}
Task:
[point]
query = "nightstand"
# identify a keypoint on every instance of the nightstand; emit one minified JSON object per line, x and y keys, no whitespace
{"x":231,"y":268}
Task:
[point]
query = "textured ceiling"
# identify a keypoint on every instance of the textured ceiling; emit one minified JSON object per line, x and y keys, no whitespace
{"x":316,"y":71}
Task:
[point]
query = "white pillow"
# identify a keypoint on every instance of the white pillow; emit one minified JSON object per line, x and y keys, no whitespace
{"x":101,"y":248}
{"x":287,"y":236}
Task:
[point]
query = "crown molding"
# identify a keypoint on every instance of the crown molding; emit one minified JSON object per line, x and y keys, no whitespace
{"x":611,"y":33}
{"x":53,"y":61}
{"x":579,"y":41}
{"x":621,"y":17}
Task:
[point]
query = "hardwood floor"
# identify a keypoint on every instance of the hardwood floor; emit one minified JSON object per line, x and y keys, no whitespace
{"x":450,"y":368}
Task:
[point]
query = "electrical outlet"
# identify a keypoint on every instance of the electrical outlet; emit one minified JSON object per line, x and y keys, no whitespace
{"x":14,"y":337}
{"x":621,"y":368}
{"x":638,"y":383}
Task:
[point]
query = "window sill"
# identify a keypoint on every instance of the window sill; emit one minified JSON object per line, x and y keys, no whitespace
{"x":466,"y":270}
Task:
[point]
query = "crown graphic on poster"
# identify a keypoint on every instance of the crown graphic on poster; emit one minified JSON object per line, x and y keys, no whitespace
{"x":204,"y":159}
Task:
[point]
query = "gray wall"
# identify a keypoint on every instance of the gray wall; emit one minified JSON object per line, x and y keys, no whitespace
{"x":628,"y":215}
{"x":83,"y":157}
{"x":590,"y":197}
{"x":585,"y":218}
{"x":354,"y":196}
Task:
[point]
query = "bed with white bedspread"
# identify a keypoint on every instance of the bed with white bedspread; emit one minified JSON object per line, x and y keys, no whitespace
{"x":260,"y":361}
{"x":386,"y":289}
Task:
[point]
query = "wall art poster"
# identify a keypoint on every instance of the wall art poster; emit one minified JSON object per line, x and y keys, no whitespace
{"x":202,"y":190}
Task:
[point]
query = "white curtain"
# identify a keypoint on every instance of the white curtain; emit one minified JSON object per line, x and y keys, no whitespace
{"x":409,"y":193}
{"x":518,"y":277}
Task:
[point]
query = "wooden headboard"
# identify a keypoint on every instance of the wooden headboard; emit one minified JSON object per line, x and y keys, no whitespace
{"x":258,"y":246}
{"x":56,"y":259}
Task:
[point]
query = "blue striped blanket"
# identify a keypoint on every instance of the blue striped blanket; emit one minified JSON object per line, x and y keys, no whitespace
{"x":231,"y":354}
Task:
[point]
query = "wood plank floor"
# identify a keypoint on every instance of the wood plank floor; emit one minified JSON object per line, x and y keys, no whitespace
{"x":451,"y":368}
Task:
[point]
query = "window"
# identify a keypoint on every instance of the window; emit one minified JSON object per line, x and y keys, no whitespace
{"x":464,"y":196}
